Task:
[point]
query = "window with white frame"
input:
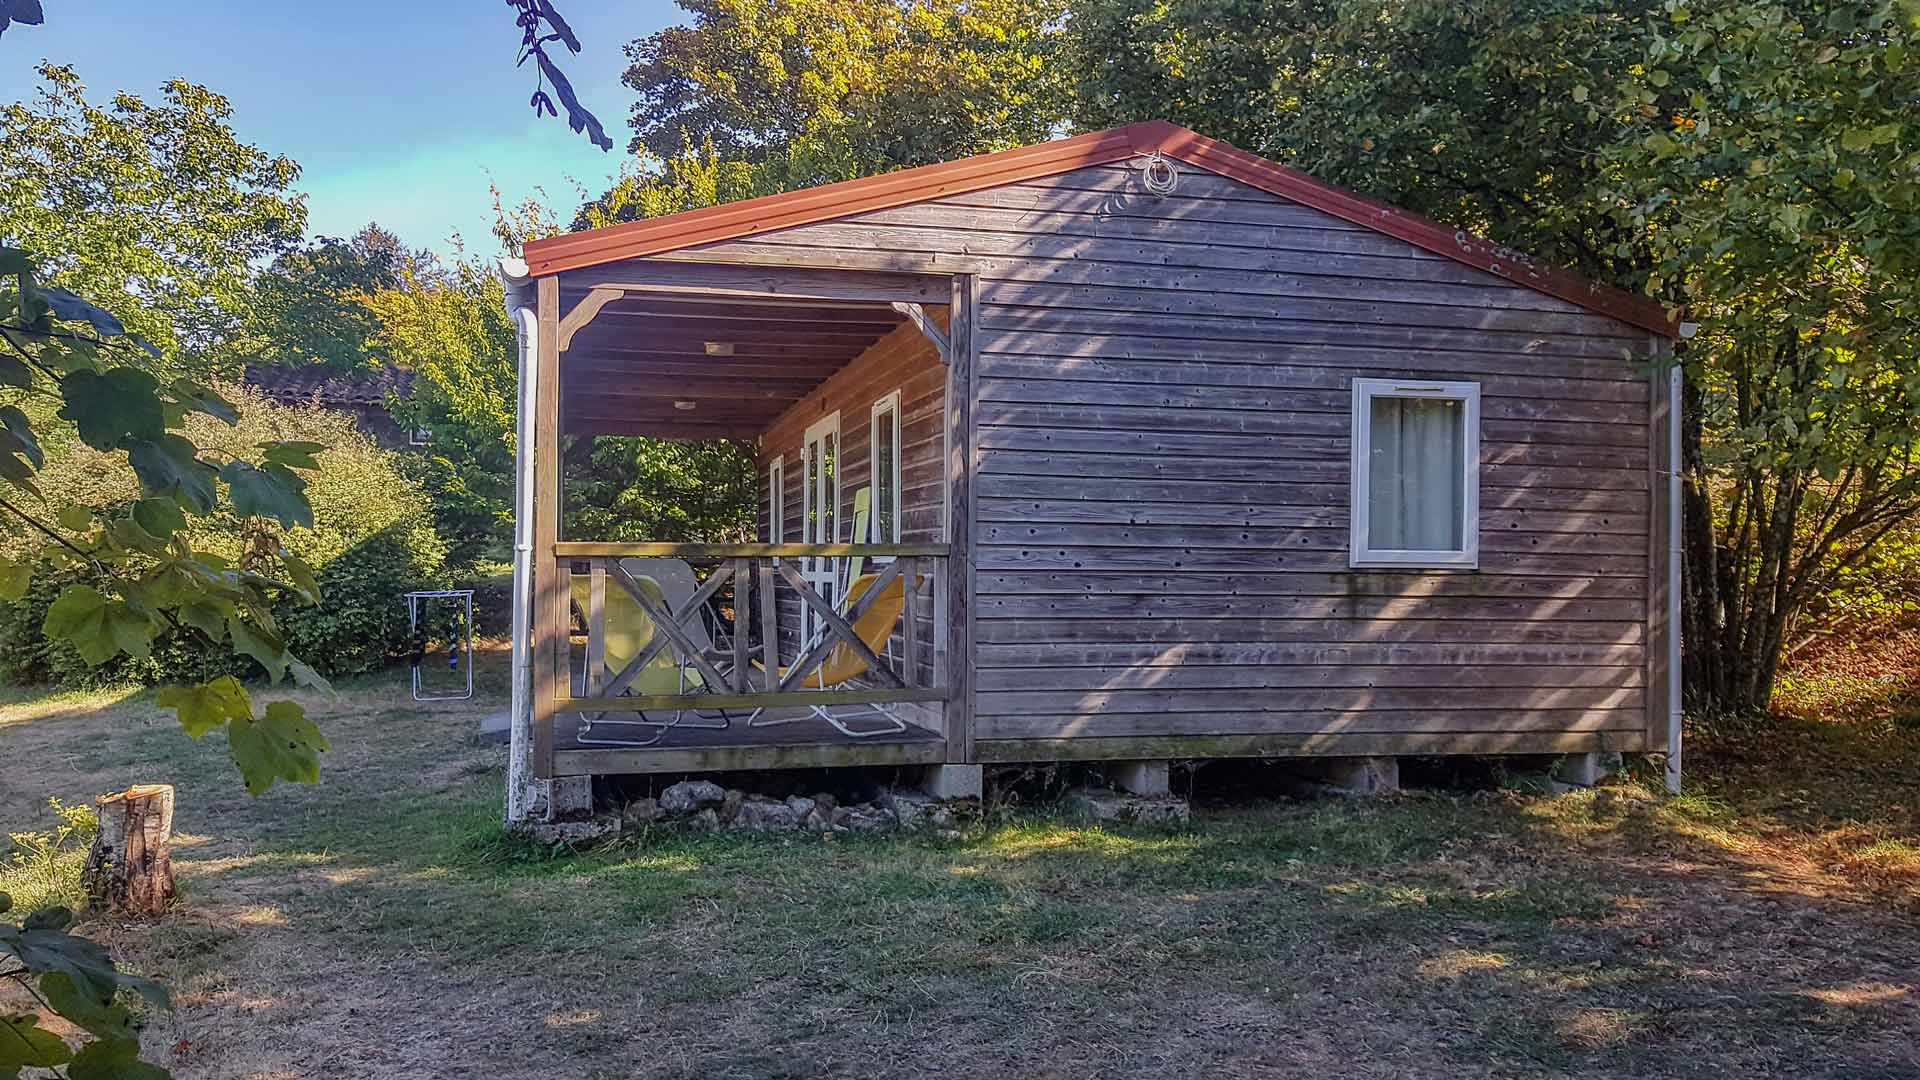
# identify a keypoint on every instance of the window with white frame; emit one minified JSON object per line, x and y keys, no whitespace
{"x":883,"y":442}
{"x":777,"y":500}
{"x":1416,"y":473}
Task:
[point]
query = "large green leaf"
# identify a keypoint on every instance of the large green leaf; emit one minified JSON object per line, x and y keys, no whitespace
{"x":271,"y":492}
{"x":108,"y":1020}
{"x":108,"y":409}
{"x":159,"y":518}
{"x":207,"y":706}
{"x":113,"y":1059}
{"x":24,"y":1044}
{"x":44,"y":950}
{"x":301,"y":575}
{"x":261,"y":644}
{"x":282,"y":745}
{"x":207,"y":614}
{"x":170,"y":466}
{"x":198,"y":398}
{"x":294,"y":455}
{"x":306,"y":676}
{"x":17,"y":426}
{"x":98,"y":626}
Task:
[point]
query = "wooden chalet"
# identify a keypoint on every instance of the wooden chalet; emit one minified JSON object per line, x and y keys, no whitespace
{"x":1174,"y":452}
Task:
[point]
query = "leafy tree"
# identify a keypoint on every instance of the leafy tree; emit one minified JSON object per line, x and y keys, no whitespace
{"x":1475,"y":113}
{"x":1772,"y":159}
{"x":450,"y":326}
{"x":309,"y":310}
{"x":156,"y":212}
{"x":141,"y":576}
{"x":811,"y":91}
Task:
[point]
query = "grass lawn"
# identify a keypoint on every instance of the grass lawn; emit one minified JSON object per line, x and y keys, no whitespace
{"x":378,"y":924}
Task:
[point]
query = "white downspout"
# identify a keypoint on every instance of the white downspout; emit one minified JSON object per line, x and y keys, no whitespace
{"x":521,"y":793}
{"x":1676,"y":554}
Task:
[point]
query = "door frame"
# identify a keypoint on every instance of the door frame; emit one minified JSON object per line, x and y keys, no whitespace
{"x":817,"y":527}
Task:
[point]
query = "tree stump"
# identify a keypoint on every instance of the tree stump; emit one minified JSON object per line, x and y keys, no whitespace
{"x":130,"y":869}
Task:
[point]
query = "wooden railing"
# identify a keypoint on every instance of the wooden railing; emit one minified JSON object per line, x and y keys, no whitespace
{"x":736,"y":631}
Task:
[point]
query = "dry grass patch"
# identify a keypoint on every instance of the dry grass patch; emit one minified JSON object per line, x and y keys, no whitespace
{"x":379,"y":925}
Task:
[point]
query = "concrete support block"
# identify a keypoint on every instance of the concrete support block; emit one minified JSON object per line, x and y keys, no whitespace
{"x":954,"y":781}
{"x":1139,"y":777}
{"x":1364,"y":775}
{"x":567,"y":796}
{"x":1588,"y":769}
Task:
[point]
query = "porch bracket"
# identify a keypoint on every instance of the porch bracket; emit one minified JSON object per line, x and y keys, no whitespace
{"x":584,"y":312}
{"x":926,"y":325}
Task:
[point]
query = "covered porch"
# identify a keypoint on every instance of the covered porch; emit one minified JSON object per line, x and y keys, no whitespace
{"x":835,"y":636}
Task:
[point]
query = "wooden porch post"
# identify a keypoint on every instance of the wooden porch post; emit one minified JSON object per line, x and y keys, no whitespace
{"x":549,"y":583}
{"x":961,"y":390}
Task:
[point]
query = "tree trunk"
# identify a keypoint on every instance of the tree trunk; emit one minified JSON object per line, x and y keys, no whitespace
{"x":130,"y":869}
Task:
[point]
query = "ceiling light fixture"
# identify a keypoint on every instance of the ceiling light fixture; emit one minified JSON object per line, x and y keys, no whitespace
{"x":683,"y":405}
{"x":719,"y":348}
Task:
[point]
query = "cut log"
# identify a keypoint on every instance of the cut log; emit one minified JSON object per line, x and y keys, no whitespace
{"x":130,"y":869}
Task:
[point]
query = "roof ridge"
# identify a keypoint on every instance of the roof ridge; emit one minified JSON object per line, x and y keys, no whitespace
{"x":769,"y":213}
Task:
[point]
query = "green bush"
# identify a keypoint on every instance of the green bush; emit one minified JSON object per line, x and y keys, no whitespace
{"x":492,"y":585}
{"x":372,"y":541}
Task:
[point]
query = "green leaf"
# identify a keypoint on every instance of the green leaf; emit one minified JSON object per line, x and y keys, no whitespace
{"x":1580,"y":95}
{"x":108,"y":409}
{"x":18,"y":472}
{"x":197,"y":398}
{"x":79,"y":616}
{"x":159,"y":518}
{"x":98,"y":627}
{"x":27,"y":1045}
{"x":301,"y":575}
{"x":263,"y":645}
{"x":1856,"y":139}
{"x":74,"y":517}
{"x":113,"y":1059}
{"x":282,"y":745}
{"x":273,"y":492}
{"x":208,"y":615}
{"x":14,"y":371}
{"x":306,"y":676}
{"x":170,"y":466}
{"x":293,"y":455}
{"x":207,"y":706}
{"x":105,"y":1020}
{"x":44,"y":951}
{"x":17,"y":425}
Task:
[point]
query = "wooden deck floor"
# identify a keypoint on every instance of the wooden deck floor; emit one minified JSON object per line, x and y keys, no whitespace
{"x":805,"y":742}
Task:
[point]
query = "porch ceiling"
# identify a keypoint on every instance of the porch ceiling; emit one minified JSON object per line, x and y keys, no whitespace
{"x":706,"y":368}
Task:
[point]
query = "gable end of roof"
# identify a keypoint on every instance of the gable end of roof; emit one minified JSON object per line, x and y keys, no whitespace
{"x":769,"y":213}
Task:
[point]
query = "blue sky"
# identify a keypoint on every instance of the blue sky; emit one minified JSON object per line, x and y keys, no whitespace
{"x":397,"y":111}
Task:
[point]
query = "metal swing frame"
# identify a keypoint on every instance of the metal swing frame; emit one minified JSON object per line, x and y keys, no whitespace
{"x":416,"y":609}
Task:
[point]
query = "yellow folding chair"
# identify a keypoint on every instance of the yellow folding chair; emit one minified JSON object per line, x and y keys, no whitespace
{"x":842,"y":664}
{"x":624,"y":630}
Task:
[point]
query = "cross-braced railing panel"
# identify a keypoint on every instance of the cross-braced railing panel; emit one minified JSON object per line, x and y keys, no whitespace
{"x":752,"y":626}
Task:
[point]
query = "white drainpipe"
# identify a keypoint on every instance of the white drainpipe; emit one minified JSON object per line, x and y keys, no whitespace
{"x":520,"y":780}
{"x":1675,"y":556}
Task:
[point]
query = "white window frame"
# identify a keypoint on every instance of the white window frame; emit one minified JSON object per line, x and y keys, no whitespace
{"x":888,"y":408}
{"x":419,"y":437}
{"x":1362,"y":555}
{"x":777,"y":499}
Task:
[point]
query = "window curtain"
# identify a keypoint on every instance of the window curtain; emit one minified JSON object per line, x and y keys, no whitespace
{"x":1415,"y":500}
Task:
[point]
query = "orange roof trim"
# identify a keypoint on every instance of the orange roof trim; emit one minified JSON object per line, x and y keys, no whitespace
{"x":750,"y":217}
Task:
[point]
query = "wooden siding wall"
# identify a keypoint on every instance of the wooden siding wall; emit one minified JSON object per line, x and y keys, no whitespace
{"x":906,"y":361}
{"x":1162,"y":478}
